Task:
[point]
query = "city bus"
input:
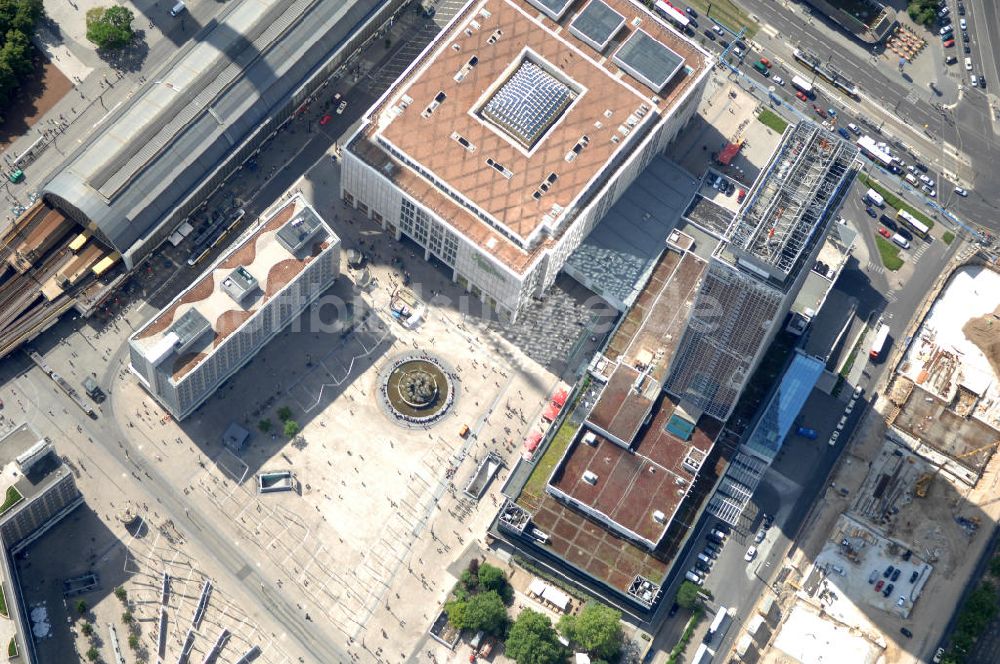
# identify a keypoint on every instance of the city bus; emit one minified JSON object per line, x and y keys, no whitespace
{"x":914,"y":224}
{"x":879,"y":155}
{"x":878,"y":343}
{"x":803,"y":85}
{"x":673,"y":14}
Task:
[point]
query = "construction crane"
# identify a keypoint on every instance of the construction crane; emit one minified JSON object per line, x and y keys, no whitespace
{"x":979,"y":449}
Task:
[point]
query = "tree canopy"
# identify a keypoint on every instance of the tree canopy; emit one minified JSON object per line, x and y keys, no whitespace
{"x":18,"y":19}
{"x":687,"y":595}
{"x":110,"y":27}
{"x":533,"y":641}
{"x":485,"y":611}
{"x":493,"y":578}
{"x":597,"y":629}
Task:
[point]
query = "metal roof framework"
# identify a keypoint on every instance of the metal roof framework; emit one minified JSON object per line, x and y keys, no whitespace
{"x":787,"y":209}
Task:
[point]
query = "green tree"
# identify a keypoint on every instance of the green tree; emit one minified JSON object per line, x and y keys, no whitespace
{"x":597,"y":629}
{"x":284,"y":413}
{"x":133,"y":641}
{"x":127,"y":618}
{"x":18,"y":19}
{"x":493,"y":578}
{"x":533,"y":641}
{"x":121,"y":594}
{"x":87,"y":629}
{"x":485,"y":611}
{"x":81,"y":607}
{"x":110,"y":27}
{"x":687,"y":595}
{"x":995,"y":565}
{"x":264,"y":425}
{"x":291,"y":428}
{"x":93,"y":654}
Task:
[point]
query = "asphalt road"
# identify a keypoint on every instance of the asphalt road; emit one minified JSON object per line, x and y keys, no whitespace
{"x":899,"y":107}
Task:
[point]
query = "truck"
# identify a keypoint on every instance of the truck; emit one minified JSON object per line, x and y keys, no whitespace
{"x":92,"y":389}
{"x":875,"y":198}
{"x":878,"y":343}
{"x":719,"y":625}
{"x":802,"y":85}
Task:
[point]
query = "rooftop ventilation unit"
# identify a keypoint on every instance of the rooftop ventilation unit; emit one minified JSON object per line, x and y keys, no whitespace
{"x":590,"y":438}
{"x":590,"y":477}
{"x":659,"y":517}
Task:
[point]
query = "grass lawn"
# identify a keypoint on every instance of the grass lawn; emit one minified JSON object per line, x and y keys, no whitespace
{"x":535,"y":486}
{"x":771,"y":119}
{"x":3,"y":604}
{"x":726,"y":13}
{"x":13,"y":496}
{"x":889,"y":253}
{"x":12,"y":648}
{"x":948,"y":237}
{"x":894,"y":200}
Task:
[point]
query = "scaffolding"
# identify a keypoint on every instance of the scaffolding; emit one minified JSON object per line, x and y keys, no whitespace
{"x":787,"y":211}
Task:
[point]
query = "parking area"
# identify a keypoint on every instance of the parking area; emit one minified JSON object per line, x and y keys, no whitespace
{"x":859,"y":569}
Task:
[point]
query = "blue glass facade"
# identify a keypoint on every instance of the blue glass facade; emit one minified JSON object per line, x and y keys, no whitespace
{"x":784,"y":406}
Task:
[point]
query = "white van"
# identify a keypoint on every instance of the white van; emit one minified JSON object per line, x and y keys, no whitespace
{"x":178,"y":9}
{"x":912,"y":180}
{"x":875,"y":198}
{"x":705,"y":559}
{"x":694,"y":577}
{"x":901,"y":241}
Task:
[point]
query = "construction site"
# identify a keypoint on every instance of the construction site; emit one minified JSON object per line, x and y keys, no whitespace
{"x":50,"y":265}
{"x":945,"y":395}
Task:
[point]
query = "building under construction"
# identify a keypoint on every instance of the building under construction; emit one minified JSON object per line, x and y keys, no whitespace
{"x":759,"y":267}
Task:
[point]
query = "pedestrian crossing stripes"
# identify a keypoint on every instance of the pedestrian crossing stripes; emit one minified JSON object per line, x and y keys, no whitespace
{"x":890,"y":295}
{"x":919,"y":251}
{"x":875,"y":268}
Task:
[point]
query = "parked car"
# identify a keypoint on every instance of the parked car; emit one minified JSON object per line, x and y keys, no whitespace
{"x":962,"y":23}
{"x":768,"y":521}
{"x":895,"y":574}
{"x":961,"y":9}
{"x":888,"y":590}
{"x":692,"y":13}
{"x":819,"y":111}
{"x":759,"y":537}
{"x":950,"y":60}
{"x":750,"y":554}
{"x":702,"y":567}
{"x":873,"y":577}
{"x":801,"y":95}
{"x":905,"y":632}
{"x":949,"y":43}
{"x":871,"y":212}
{"x":878,"y":586}
{"x":834,"y":437}
{"x":901,"y":601}
{"x":743,"y":194}
{"x":718,"y":30}
{"x":920,"y":167}
{"x":855,"y":129}
{"x":673,"y":610}
{"x":806,"y":432}
{"x":778,"y":80}
{"x":843,"y":133}
{"x":914,"y":576}
{"x":708,"y":33}
{"x":968,"y":64}
{"x":961,"y":192}
{"x":888,"y":572}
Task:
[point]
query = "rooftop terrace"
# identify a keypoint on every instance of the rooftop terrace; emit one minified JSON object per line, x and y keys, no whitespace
{"x":638,"y":491}
{"x":534,"y":113}
{"x":644,"y":344}
{"x":236,"y":287}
